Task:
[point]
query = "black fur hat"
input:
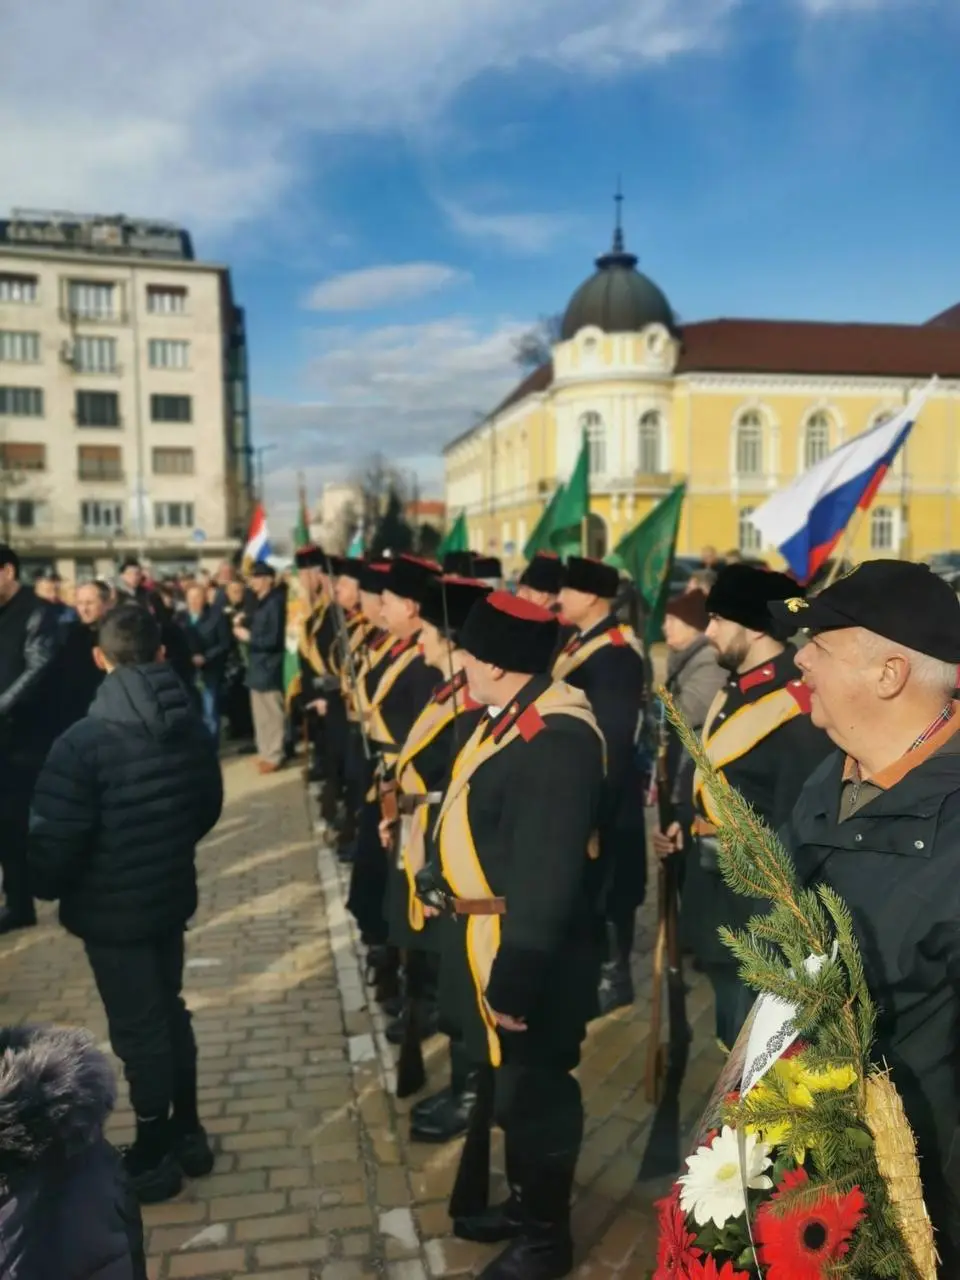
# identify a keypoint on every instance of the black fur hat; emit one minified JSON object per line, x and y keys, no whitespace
{"x":310,"y":557}
{"x":449,"y":615}
{"x":514,"y":634}
{"x":742,"y":592}
{"x":592,"y":577}
{"x":458,"y":562}
{"x":543,"y":573}
{"x":408,"y":577}
{"x":373,"y":577}
{"x":347,"y":567}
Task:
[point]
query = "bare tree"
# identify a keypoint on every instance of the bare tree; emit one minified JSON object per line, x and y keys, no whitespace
{"x":535,"y":347}
{"x":377,"y":479}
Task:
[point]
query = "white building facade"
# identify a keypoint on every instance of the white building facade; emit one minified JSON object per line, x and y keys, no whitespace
{"x":124,"y":418}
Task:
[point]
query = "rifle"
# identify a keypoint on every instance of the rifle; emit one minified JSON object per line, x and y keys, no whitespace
{"x":665,"y":1064}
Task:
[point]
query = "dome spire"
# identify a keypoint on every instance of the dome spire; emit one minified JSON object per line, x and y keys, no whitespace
{"x":618,"y":227}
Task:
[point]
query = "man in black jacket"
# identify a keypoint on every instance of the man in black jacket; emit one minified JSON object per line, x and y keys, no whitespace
{"x":28,"y":724}
{"x":605,"y":660}
{"x":77,"y":674}
{"x":266,"y":636}
{"x":119,"y":807}
{"x":879,"y":822}
{"x":209,"y":638}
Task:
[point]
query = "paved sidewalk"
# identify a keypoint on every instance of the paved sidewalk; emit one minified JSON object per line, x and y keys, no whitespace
{"x":315,"y":1177}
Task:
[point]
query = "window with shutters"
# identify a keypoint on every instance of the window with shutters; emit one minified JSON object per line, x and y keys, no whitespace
{"x":99,"y":462}
{"x":816,"y":439}
{"x":173,"y":515}
{"x":15,"y":287}
{"x":650,"y":443}
{"x":165,"y":353}
{"x":23,"y":513}
{"x":883,"y":525}
{"x":101,"y":519}
{"x":92,"y":300}
{"x":166,"y":300}
{"x":98,"y":409}
{"x":748,"y":535}
{"x":21,"y":402}
{"x":173,"y":462}
{"x":22,"y":457}
{"x":750,"y":444}
{"x":171,"y":409}
{"x":591,"y":423}
{"x":95,"y":355}
{"x":17,"y":347}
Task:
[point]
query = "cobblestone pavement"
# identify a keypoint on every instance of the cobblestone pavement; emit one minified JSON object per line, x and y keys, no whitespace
{"x":315,"y":1177}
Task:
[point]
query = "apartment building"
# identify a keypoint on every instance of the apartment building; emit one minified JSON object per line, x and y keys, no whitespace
{"x":124,"y":400}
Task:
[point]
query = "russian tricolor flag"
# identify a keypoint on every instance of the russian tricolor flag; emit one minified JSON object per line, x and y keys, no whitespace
{"x":258,"y":536}
{"x":806,"y":520}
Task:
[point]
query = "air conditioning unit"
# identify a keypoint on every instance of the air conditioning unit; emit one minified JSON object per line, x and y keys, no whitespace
{"x":68,"y":354}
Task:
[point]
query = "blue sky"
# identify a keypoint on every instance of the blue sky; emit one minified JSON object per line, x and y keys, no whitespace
{"x":400,"y":188}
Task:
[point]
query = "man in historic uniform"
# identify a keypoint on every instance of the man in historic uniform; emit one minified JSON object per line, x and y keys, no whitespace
{"x":432,"y":744}
{"x":512,"y":843}
{"x":879,"y":822}
{"x":758,"y":731}
{"x":312,"y":648}
{"x":542,"y":580}
{"x":604,"y":658}
{"x":397,"y":689}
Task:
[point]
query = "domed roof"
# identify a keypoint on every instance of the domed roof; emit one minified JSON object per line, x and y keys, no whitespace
{"x":617,"y":298}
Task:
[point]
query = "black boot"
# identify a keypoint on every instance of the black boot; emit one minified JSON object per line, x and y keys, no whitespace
{"x":616,"y":986}
{"x":493,"y":1225}
{"x":543,"y":1247}
{"x":448,"y":1117}
{"x":459,"y":1072}
{"x":150,"y":1163}
{"x":191,"y":1146}
{"x":428,"y":1024}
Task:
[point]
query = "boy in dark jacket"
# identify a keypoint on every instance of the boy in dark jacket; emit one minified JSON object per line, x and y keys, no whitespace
{"x":67,"y":1211}
{"x":120,"y":804}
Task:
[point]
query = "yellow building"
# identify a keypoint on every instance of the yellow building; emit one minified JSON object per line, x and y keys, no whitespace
{"x":737,"y":408}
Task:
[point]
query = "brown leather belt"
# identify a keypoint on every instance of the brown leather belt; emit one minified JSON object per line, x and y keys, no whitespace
{"x":478,"y":906}
{"x":701,"y":827}
{"x":411,"y":803}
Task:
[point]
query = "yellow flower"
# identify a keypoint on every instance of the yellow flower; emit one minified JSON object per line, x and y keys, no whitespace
{"x":797,"y":1083}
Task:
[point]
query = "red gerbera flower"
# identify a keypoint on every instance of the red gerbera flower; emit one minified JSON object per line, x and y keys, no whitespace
{"x":802,"y":1242}
{"x":711,"y":1270}
{"x":676,"y":1250}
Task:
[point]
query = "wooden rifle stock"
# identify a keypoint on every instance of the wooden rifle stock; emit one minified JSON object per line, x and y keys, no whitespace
{"x":389,"y":804}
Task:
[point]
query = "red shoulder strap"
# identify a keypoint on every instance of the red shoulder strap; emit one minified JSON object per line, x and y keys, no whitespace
{"x":530,"y":723}
{"x":617,"y":637}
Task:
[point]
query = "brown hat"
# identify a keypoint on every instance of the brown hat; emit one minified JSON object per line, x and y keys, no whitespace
{"x":691,"y":608}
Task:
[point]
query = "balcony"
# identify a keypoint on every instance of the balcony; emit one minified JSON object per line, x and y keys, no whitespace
{"x":73,"y":316}
{"x":100,"y":471}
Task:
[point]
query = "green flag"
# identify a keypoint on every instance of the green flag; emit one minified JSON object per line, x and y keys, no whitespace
{"x":301,"y":534}
{"x":539,"y":540}
{"x":457,"y":538}
{"x":566,"y":532}
{"x":646,"y":553}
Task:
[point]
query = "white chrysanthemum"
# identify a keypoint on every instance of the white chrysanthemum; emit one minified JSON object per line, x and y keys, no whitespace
{"x":712,"y":1189}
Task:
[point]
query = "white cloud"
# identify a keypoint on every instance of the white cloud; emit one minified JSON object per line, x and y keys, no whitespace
{"x":520,"y":232}
{"x":404,"y":390}
{"x":203,"y":111}
{"x":382,"y":286}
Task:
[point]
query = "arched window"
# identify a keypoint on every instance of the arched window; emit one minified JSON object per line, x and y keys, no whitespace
{"x":748,"y":535}
{"x":596,"y":536}
{"x":816,"y":439}
{"x":750,"y":444}
{"x":650,"y":443}
{"x":596,"y":433}
{"x":882,"y":529}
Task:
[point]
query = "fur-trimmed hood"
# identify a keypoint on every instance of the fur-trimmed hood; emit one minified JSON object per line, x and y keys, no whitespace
{"x":56,"y":1092}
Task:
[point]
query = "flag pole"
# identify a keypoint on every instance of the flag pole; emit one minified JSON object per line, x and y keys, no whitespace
{"x":846,"y":546}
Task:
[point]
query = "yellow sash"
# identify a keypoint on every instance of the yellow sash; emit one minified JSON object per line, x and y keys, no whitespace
{"x":431,"y":722}
{"x":378,"y":726}
{"x":461,"y":864}
{"x":569,"y":662}
{"x":740,"y":733}
{"x":308,"y":637}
